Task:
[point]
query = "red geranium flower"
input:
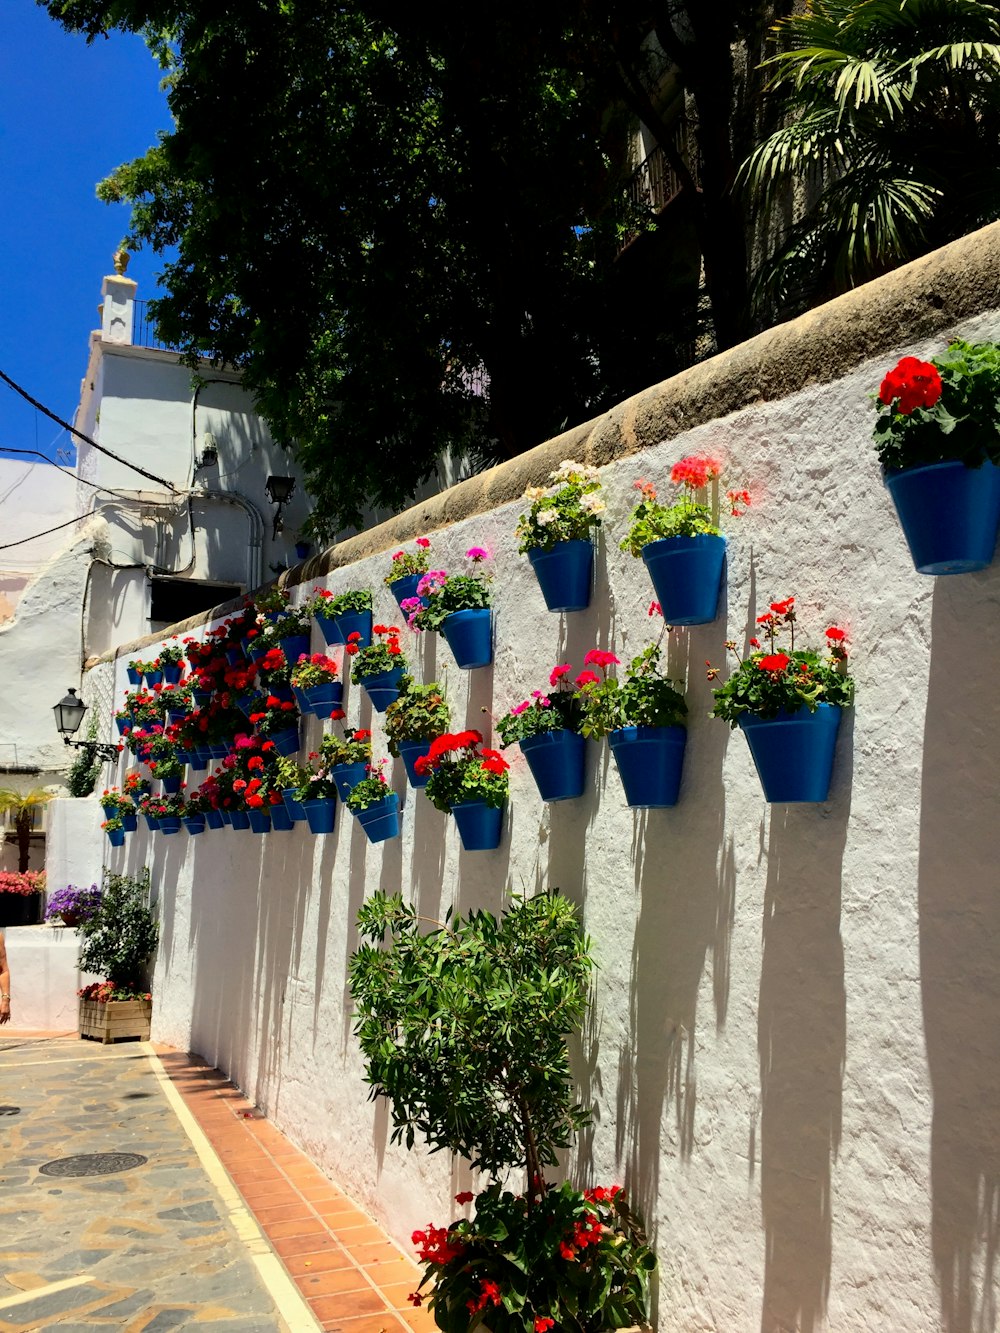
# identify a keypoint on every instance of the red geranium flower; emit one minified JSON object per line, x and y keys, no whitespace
{"x":465,"y":1197}
{"x":913,"y":383}
{"x":836,"y":635}
{"x":775,"y":662}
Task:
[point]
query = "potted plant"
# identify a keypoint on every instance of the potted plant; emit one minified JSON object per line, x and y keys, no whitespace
{"x":557,"y":534}
{"x":20,"y":896}
{"x":375,"y":805}
{"x":193,"y":817}
{"x":464,"y":1031}
{"x":316,"y":685}
{"x":342,"y":614}
{"x":469,"y":782}
{"x":278,"y":722}
{"x":134,"y":670}
{"x":165,"y":763}
{"x":170,"y":662}
{"x":938,"y":440}
{"x":288,"y":631}
{"x":380,"y":667}
{"x":788,"y":705}
{"x":169,"y":810}
{"x":118,"y":941}
{"x":406,"y":571}
{"x":345,"y":758}
{"x":73,"y":906}
{"x":681,"y":544}
{"x":207,"y":800}
{"x":119,"y":805}
{"x":417,"y":715}
{"x":152,"y":673}
{"x":115,"y":830}
{"x":459,"y":606}
{"x":643,"y":719}
{"x":547,"y":727}
{"x":289,"y":776}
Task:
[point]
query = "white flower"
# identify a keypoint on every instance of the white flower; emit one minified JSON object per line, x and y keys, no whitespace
{"x":546,"y":516}
{"x":534,"y":492}
{"x":567,"y":470}
{"x":593,"y":504}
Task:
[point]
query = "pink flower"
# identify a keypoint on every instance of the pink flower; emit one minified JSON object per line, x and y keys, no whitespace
{"x":477,"y":553}
{"x":587,"y":678}
{"x":424,"y":542}
{"x":597,"y":657}
{"x":655,"y":609}
{"x":557,"y":673}
{"x":518,"y":709}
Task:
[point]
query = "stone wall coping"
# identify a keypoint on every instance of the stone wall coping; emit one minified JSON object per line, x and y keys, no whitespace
{"x":921,"y":299}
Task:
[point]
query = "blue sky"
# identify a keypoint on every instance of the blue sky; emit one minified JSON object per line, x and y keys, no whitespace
{"x":69,"y":114}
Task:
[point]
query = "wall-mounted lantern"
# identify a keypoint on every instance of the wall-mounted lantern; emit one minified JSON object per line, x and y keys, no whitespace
{"x":279,"y":491}
{"x":69,"y":713}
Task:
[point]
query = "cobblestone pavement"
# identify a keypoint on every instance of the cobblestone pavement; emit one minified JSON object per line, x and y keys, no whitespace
{"x":152,"y":1248}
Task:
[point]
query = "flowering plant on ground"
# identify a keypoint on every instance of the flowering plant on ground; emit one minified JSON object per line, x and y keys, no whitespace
{"x":409,"y":562}
{"x":419,"y":714}
{"x":325,"y":603}
{"x":686,"y":516}
{"x":22,"y":882}
{"x":771,"y":680}
{"x":112,"y":797}
{"x":461,"y":770}
{"x":643,"y":698}
{"x":383,"y":654}
{"x":555,"y":710}
{"x":945,"y":409}
{"x":370,"y":790}
{"x":315,"y":670}
{"x":568,"y":509}
{"x":103,"y":991}
{"x":446,"y":593}
{"x":560,"y":1258}
{"x":71,"y":901}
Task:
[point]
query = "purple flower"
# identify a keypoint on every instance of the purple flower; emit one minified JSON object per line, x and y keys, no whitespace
{"x":477,"y":553}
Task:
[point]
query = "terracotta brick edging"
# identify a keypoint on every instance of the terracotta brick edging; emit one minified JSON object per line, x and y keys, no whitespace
{"x":354,"y":1278}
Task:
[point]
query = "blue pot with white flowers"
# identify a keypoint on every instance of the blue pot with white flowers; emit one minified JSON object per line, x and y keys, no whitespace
{"x":564,"y":574}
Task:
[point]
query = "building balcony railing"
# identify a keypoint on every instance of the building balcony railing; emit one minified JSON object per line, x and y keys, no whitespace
{"x":144,"y":330}
{"x":655,"y":182}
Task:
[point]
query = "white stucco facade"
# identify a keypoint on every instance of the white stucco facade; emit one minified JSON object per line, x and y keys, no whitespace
{"x":793,"y":1052}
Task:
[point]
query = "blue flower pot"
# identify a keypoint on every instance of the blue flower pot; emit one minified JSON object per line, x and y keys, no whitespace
{"x":235,"y":655}
{"x":302,"y":550}
{"x":320,"y":700}
{"x":172,"y":672}
{"x":286,"y":742}
{"x":328,"y":628}
{"x":123,"y":726}
{"x":404,"y":588}
{"x":949,"y":513}
{"x":410,"y":752}
{"x":556,"y":759}
{"x":254,"y":649}
{"x":351,"y":622}
{"x":347,"y":776}
{"x":260,"y":821}
{"x":383,"y":687}
{"x":194,"y":824}
{"x":197,"y":761}
{"x":294,"y":647}
{"x":793,"y":752}
{"x":134,"y":676}
{"x":564,"y":574}
{"x":175,"y":715}
{"x":687,"y":575}
{"x":281,"y":820}
{"x":239,"y":819}
{"x":116,"y":836}
{"x":200,"y":698}
{"x":478,"y":825}
{"x":218,"y":750}
{"x":292,"y":806}
{"x":470,"y":637}
{"x":320,"y":814}
{"x":227,"y":817}
{"x":247,"y":703}
{"x":650,"y":761}
{"x":130,"y":822}
{"x":381,"y":820}
{"x":171,"y":786}
{"x":170,"y":823}
{"x":109,"y":810}
{"x":152,"y":823}
{"x":214,"y":819}
{"x":153,"y":678}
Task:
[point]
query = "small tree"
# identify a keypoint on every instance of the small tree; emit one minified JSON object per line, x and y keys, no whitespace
{"x":22,"y":806}
{"x":464,"y":1027}
{"x":119,"y":939}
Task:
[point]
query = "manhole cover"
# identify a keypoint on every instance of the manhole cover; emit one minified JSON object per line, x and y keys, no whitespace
{"x":93,"y":1164}
{"x":10,"y":1110}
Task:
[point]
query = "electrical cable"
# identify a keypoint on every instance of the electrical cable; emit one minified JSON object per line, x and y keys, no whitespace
{"x":79,"y":519}
{"x":37,"y":454}
{"x":151,"y":476}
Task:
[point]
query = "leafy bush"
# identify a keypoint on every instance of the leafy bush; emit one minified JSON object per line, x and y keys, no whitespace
{"x":643,"y":699}
{"x":419,"y":714}
{"x":120,"y":937}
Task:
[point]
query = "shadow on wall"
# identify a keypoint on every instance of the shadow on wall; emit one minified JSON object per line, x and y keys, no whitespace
{"x":959,"y":906}
{"x":802,"y":1037}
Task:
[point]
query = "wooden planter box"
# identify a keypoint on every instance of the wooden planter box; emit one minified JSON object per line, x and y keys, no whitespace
{"x":115,"y":1019}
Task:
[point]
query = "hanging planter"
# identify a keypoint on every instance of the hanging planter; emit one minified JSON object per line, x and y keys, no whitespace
{"x":380,"y":820}
{"x":171,"y":785}
{"x":382,"y":687}
{"x":286,"y":741}
{"x":320,"y":700}
{"x":410,"y":752}
{"x":235,"y":655}
{"x":479,"y":825}
{"x":470,"y":637}
{"x":170,"y":823}
{"x":650,"y":761}
{"x":214,"y":819}
{"x":557,"y":763}
{"x":194,"y":824}
{"x":347,"y":777}
{"x":116,"y":836}
{"x":154,"y":676}
{"x":320,"y":814}
{"x":564,"y":574}
{"x":239,"y":819}
{"x":687,"y":576}
{"x":260,"y":821}
{"x":130,"y":822}
{"x":281,"y":820}
{"x":405,"y":588}
{"x":793,"y":752}
{"x":293,"y":807}
{"x":152,"y":823}
{"x":134,"y":673}
{"x":949,"y":513}
{"x":172,"y":672}
{"x":405,"y":573}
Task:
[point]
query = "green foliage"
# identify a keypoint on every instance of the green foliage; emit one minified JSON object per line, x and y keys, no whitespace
{"x":419,"y":714}
{"x":651,"y":521}
{"x":570,"y":512}
{"x":643,"y":699}
{"x":520,"y":1261}
{"x":83,"y":773}
{"x":558,"y":710}
{"x":382,"y":654}
{"x":894,"y":114}
{"x":355,"y":599}
{"x":369,"y":791}
{"x":455,"y":592}
{"x":170,"y":654}
{"x":464,"y":1027}
{"x":463,"y":772}
{"x":120,"y":938}
{"x":964,"y":423}
{"x":409,"y":562}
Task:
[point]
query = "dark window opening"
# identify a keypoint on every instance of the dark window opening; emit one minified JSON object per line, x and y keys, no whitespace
{"x":176,"y":599}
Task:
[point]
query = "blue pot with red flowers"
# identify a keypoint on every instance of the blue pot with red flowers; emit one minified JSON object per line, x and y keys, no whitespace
{"x":260,"y":820}
{"x":320,"y":700}
{"x":134,"y":675}
{"x":346,"y":624}
{"x":170,"y":823}
{"x":793,"y":752}
{"x":214,"y":819}
{"x":239,"y":819}
{"x":154,"y":676}
{"x":172,"y":672}
{"x":470,"y":636}
{"x":650,"y":761}
{"x":687,"y":575}
{"x":479,"y":825}
{"x":564,"y":574}
{"x":116,"y":836}
{"x":286,"y":742}
{"x":949,"y":513}
{"x":194,"y":824}
{"x":557,"y":762}
{"x":410,"y":752}
{"x":405,"y":588}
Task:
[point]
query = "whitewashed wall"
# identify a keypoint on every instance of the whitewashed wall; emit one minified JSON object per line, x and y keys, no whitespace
{"x":794,"y":1046}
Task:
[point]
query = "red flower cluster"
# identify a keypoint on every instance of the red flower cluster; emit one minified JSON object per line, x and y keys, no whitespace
{"x":435,"y":1246}
{"x":914,"y":383}
{"x":774,"y":662}
{"x":543,"y":1324}
{"x":488,"y":1292}
{"x":597,"y":657}
{"x":602,"y":1193}
{"x":694,"y":472}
